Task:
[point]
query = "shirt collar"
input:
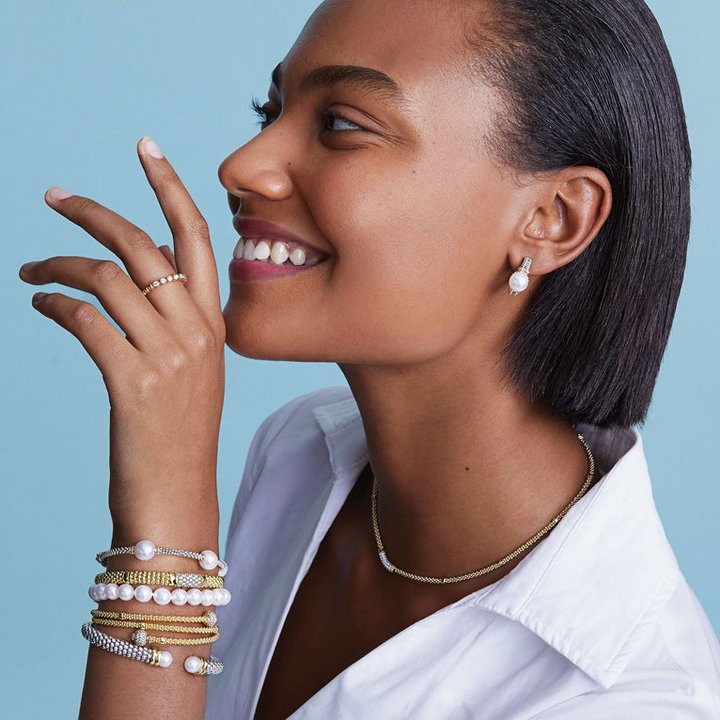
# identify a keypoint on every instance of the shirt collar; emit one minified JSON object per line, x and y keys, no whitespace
{"x":600,"y":578}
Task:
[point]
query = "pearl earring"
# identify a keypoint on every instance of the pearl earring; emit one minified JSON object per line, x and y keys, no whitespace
{"x":519,"y":279}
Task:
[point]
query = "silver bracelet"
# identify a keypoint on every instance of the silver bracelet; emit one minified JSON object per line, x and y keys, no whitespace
{"x":157,"y":658}
{"x":146,"y":550}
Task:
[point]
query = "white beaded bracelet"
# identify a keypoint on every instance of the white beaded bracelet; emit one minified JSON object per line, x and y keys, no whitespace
{"x":146,"y":550}
{"x":161,"y":595}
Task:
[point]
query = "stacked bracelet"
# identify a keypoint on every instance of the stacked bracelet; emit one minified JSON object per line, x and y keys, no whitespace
{"x":146,"y":550}
{"x":184,"y":588}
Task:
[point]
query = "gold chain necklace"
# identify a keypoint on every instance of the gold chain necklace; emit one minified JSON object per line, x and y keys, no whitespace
{"x":489,"y":568}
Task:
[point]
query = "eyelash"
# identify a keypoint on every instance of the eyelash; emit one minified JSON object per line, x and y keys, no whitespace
{"x":326,"y":114}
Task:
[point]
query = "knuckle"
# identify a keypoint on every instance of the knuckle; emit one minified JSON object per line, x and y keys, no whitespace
{"x":106,"y":271}
{"x":196,"y":225}
{"x":165,"y":177}
{"x":85,"y":205}
{"x":146,"y":382}
{"x":177,"y":360}
{"x":84,"y":314}
{"x":138,"y":239}
{"x":200,"y":341}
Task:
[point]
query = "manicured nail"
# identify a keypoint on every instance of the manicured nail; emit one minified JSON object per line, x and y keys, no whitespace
{"x":38,"y":296}
{"x":56,"y":193}
{"x":29,"y":266}
{"x":151,"y":148}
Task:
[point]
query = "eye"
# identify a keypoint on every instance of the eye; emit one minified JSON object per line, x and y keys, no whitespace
{"x":327,"y":115}
{"x":261,"y":112}
{"x":330,"y":117}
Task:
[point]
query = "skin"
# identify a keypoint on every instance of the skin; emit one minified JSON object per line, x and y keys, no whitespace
{"x":423,"y":228}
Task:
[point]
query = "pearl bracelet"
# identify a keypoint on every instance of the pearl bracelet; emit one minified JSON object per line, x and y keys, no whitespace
{"x":161,"y":596}
{"x":146,"y":550}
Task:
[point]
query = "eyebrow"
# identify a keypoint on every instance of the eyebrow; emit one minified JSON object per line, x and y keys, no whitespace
{"x":362,"y":78}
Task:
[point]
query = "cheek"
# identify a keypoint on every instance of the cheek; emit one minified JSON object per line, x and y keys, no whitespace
{"x":412,"y":265}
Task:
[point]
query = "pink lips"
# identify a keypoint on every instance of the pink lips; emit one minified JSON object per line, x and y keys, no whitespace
{"x":244,"y":270}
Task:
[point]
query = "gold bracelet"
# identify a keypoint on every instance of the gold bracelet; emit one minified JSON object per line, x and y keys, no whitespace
{"x":209,"y":618}
{"x":142,"y":640}
{"x":173,"y":579}
{"x":156,"y":626}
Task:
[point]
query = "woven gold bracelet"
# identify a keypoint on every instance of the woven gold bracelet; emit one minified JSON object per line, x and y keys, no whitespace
{"x":208,"y":618}
{"x":156,"y":626}
{"x":172,"y":579}
{"x":141,"y":638}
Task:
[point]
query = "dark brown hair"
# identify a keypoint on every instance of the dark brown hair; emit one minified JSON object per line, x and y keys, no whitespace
{"x":591,"y":82}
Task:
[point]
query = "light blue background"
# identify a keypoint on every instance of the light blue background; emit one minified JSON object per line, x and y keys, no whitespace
{"x":82,"y":82}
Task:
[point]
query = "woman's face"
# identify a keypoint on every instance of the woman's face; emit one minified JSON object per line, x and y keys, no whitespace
{"x":414,"y":215}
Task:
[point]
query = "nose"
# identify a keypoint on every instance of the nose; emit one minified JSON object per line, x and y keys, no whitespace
{"x":258,"y":167}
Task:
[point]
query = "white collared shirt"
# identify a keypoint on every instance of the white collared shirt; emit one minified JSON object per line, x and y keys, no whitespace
{"x":596,"y":622}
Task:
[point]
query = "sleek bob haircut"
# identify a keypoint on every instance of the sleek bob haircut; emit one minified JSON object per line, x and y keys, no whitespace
{"x":591,"y":82}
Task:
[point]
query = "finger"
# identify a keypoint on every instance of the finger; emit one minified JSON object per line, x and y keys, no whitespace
{"x":168,"y":253}
{"x":193,"y":250}
{"x":105,"y":345}
{"x":141,"y":257}
{"x":117,"y":293}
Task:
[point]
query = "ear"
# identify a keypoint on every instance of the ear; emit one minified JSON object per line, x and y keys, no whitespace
{"x":568,"y":208}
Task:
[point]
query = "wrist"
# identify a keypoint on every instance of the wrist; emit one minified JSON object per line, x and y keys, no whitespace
{"x":176,"y":527}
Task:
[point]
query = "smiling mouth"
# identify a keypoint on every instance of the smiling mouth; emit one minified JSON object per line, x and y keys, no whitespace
{"x":277,"y":252}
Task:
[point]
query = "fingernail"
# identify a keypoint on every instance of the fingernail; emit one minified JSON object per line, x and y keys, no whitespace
{"x":56,"y":193}
{"x":29,"y":266}
{"x":38,"y":296}
{"x":151,"y":148}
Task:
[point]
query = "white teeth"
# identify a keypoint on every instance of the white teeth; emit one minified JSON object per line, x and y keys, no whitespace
{"x":262,"y":251}
{"x":297,"y":256}
{"x":279,"y":253}
{"x":238,"y":250}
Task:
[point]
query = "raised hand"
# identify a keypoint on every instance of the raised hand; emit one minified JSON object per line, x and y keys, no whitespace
{"x":165,"y":376}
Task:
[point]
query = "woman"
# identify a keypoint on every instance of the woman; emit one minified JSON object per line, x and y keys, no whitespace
{"x":482,"y":212}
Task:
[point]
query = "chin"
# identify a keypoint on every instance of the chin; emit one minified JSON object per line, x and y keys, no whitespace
{"x":261,"y":340}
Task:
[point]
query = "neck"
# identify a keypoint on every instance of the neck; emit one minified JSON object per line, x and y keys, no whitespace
{"x":467,"y":470}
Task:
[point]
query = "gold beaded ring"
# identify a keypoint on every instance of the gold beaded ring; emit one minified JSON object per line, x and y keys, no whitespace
{"x":164,"y":280}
